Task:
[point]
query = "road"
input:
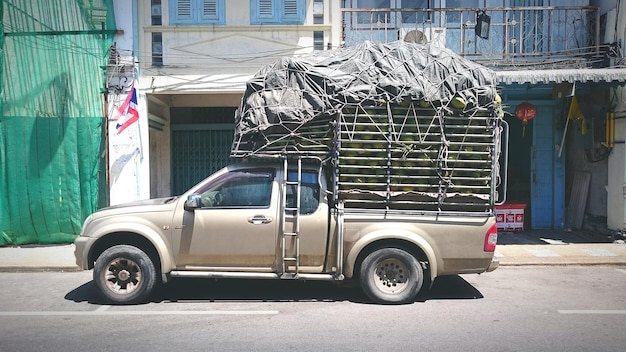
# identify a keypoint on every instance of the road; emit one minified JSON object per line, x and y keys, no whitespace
{"x":511,"y":309}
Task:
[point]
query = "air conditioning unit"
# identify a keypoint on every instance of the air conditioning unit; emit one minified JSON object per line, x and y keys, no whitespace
{"x":427,"y":35}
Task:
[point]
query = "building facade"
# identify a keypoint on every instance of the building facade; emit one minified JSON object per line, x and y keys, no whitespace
{"x":190,"y":61}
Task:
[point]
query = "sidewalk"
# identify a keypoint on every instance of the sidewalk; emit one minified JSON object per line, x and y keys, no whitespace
{"x":558,"y":247}
{"x":548,"y":247}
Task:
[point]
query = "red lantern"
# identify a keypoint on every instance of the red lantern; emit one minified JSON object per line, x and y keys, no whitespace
{"x":525,"y":111}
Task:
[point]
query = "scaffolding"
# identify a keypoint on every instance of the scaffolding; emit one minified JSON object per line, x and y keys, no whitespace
{"x":52,"y":127}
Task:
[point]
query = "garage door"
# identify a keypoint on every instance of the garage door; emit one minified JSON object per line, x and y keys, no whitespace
{"x":197,"y":152}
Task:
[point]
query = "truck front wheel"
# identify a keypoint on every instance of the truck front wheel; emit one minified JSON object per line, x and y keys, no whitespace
{"x":124,"y":274}
{"x":391,"y":275}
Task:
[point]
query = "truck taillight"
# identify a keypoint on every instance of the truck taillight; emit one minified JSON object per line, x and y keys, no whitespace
{"x":491,"y":238}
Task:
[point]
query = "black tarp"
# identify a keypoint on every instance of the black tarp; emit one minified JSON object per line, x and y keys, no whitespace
{"x":298,"y":89}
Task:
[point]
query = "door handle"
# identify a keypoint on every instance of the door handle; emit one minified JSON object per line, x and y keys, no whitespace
{"x":259,"y":220}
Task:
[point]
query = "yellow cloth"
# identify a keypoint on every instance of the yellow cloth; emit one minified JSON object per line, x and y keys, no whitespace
{"x":576,"y":114}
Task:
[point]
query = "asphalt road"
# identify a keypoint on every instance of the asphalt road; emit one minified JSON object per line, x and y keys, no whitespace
{"x":511,"y":309}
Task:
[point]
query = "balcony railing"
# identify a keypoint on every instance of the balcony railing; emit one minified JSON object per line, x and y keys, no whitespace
{"x":546,"y":37}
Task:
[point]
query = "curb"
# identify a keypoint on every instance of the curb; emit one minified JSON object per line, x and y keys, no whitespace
{"x":37,"y":269}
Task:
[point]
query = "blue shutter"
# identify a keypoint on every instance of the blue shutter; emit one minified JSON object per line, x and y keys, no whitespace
{"x":190,"y":12}
{"x":264,"y":11}
{"x":293,"y":12}
{"x":277,"y":11}
{"x":211,"y":11}
{"x":181,"y":11}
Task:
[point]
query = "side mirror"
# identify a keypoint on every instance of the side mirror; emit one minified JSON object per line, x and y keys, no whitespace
{"x":194,"y":201}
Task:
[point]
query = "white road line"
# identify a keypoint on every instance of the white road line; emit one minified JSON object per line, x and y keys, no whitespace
{"x":99,"y":312}
{"x":592,"y":311}
{"x":623,"y":271}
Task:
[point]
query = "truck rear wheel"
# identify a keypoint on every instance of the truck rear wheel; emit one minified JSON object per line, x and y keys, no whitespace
{"x":391,"y":275}
{"x":124,"y":274}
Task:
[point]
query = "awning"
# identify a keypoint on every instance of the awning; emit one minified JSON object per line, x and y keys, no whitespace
{"x":559,"y":76}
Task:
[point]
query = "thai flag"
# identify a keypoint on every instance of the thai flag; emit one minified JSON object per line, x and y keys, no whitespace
{"x":127,"y":113}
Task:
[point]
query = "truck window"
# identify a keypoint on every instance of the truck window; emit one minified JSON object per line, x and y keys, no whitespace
{"x":309,"y":193}
{"x":241,"y":188}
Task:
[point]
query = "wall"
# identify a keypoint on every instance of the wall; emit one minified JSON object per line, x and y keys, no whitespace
{"x":584,"y":148}
{"x":223,"y":57}
{"x":616,"y":203}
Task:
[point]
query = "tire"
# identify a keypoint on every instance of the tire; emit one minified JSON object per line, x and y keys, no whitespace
{"x":391,"y":276}
{"x":124,"y":275}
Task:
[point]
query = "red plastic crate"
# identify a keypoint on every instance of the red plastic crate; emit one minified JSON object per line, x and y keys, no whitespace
{"x":510,"y":216}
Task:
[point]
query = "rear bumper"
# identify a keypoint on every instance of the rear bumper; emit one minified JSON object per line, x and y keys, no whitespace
{"x":494,"y":265}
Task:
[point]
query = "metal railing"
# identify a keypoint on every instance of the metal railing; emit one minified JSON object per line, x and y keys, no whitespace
{"x":547,"y":36}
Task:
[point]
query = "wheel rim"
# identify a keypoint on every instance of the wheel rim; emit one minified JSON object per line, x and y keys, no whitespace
{"x":123,"y":276}
{"x":391,"y":276}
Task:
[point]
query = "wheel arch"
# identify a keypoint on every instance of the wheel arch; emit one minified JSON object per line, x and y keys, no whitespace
{"x":417,"y":247}
{"x":132,"y":239}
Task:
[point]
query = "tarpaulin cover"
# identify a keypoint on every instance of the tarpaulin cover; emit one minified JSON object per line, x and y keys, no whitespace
{"x":52,"y":173}
{"x":298,"y":89}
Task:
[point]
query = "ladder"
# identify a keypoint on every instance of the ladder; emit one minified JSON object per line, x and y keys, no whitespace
{"x":291,"y":212}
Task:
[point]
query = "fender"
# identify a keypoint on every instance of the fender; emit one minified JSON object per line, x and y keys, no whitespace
{"x":391,"y":234}
{"x":140,"y":227}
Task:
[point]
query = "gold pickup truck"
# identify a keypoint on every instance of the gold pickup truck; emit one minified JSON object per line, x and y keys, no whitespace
{"x":279,"y":220}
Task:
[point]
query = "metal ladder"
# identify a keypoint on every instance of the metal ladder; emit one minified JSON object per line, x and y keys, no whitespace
{"x":292,"y":213}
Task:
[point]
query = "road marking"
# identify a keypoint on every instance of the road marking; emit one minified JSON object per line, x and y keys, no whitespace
{"x":102,"y":312}
{"x":592,"y":311}
{"x":543,"y":253}
{"x":623,"y":271}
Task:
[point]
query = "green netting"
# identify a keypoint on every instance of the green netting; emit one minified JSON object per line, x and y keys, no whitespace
{"x":52,"y":125}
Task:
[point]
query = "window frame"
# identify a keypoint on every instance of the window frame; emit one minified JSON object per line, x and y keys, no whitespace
{"x":278,"y":16}
{"x":310,"y":184}
{"x":196,"y":14}
{"x":232,"y":179}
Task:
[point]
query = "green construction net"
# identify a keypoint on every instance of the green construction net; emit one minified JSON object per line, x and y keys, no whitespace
{"x":52,"y":129}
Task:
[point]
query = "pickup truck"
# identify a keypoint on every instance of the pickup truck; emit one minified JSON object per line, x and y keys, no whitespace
{"x":378,"y":164}
{"x":388,"y":200}
{"x":273,"y":221}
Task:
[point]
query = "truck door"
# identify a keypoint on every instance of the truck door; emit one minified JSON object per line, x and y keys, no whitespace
{"x":313,"y":220}
{"x":236,"y":226}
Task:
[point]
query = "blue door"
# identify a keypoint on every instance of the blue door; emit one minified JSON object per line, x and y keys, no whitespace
{"x":547,"y":174}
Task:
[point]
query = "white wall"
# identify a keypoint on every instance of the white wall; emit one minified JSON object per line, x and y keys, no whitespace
{"x":128,"y":152}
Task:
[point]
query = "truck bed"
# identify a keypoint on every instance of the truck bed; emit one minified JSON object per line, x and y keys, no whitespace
{"x":400,"y":158}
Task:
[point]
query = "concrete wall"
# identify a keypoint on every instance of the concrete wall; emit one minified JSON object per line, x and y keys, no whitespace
{"x":616,"y":203}
{"x":616,"y":178}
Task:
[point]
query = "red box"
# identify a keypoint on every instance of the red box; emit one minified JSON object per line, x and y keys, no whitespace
{"x":510,"y":217}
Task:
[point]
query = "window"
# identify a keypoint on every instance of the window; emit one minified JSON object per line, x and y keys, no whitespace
{"x":157,"y":49}
{"x":415,"y":17}
{"x":193,"y":12}
{"x":241,"y":188}
{"x":318,"y":40}
{"x":277,"y":11}
{"x":374,"y":17}
{"x":460,"y":16}
{"x":309,"y":193}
